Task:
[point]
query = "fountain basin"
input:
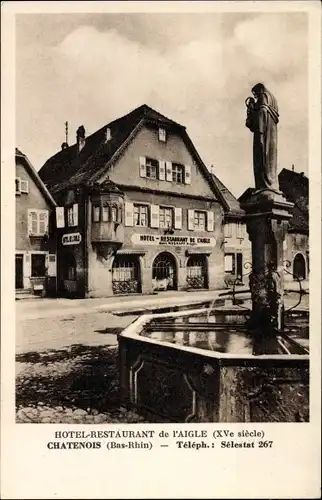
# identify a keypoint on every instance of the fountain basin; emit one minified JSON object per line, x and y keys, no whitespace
{"x":189,"y":367}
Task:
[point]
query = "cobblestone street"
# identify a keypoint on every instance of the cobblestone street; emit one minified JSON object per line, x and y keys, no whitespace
{"x":66,"y":364}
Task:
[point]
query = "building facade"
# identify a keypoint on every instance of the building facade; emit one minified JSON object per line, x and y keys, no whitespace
{"x":295,"y":188}
{"x":35,"y":256}
{"x":138,"y":211}
{"x":237,"y":246}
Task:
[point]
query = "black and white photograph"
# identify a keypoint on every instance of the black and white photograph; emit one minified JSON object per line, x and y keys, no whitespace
{"x":162,"y":244}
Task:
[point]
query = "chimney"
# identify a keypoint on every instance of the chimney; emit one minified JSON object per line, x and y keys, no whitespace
{"x":80,"y":138}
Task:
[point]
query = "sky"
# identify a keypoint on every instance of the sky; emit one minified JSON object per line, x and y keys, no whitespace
{"x":195,"y":68}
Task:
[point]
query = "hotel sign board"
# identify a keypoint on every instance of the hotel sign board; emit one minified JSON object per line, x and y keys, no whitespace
{"x":174,"y":240}
{"x":71,"y":239}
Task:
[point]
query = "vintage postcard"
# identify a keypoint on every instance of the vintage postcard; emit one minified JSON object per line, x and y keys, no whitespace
{"x":161,"y":249}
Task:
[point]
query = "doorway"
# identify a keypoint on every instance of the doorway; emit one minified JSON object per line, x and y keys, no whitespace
{"x":197,"y":272}
{"x":19,"y":271}
{"x":299,"y":267}
{"x":164,"y":272}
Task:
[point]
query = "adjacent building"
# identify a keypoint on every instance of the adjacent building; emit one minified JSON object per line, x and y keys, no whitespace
{"x":35,"y":256}
{"x":237,"y":246}
{"x":295,"y":188}
{"x":138,"y":211}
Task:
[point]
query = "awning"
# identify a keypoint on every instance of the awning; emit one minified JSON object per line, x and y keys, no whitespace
{"x":130,"y":251}
{"x":198,"y":251}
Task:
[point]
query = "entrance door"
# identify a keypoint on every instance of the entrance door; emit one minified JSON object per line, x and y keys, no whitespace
{"x":164,"y":272}
{"x":19,"y":271}
{"x":197,"y":272}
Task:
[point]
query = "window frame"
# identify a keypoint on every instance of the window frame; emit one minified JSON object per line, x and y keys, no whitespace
{"x":140,"y":206}
{"x":162,"y":134}
{"x":233,"y":263}
{"x":38,"y":212}
{"x":240,"y":230}
{"x":96,"y":210}
{"x":178,"y":169}
{"x":197,"y":224}
{"x":228,"y":234}
{"x":171,"y":210}
{"x":151,"y":162}
{"x":26,"y":183}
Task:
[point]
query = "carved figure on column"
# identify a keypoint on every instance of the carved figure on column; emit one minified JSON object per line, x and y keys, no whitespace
{"x":262,"y":119}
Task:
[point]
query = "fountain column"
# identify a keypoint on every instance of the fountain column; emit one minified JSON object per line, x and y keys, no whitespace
{"x":267,"y":216}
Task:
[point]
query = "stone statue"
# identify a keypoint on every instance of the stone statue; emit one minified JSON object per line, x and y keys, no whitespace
{"x":262,"y":119}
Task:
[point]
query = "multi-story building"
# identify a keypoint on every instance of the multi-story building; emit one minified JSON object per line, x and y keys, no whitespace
{"x":237,"y":245}
{"x":35,"y":242}
{"x":138,"y":211}
{"x":295,"y":188}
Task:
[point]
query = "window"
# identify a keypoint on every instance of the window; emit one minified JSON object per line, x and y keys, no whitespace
{"x":200,"y":220}
{"x":152,"y":167}
{"x":105,"y":214}
{"x":38,"y":265}
{"x":166,"y":217}
{"x":37,"y":222}
{"x":140,"y":215}
{"x":24,"y":186}
{"x":114,"y":214}
{"x":162,"y":135}
{"x":96,"y":213}
{"x":228,"y":230}
{"x":240,"y":230}
{"x":230,"y":263}
{"x":18,"y":182}
{"x":177,"y":173}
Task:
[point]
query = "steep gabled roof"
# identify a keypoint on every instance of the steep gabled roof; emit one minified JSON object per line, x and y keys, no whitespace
{"x":70,"y":167}
{"x":231,"y":201}
{"x":35,"y":177}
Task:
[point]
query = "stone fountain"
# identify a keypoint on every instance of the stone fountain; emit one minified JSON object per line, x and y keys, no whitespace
{"x":214,"y":365}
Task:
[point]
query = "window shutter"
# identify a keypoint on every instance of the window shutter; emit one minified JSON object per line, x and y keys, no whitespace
{"x":42,"y":222}
{"x":162,"y":170}
{"x":191,"y":220}
{"x":187,"y":174}
{"x":129,"y":214}
{"x":29,"y":221}
{"x":60,"y":218}
{"x":32,"y":222}
{"x":75,"y":214}
{"x":46,"y":221}
{"x":154,"y":216}
{"x":142,"y":166}
{"x":168,"y":171}
{"x":210,"y":221}
{"x":52,"y":265}
{"x":177,"y":218}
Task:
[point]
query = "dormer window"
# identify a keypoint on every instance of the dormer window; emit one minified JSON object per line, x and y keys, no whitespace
{"x":162,"y":135}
